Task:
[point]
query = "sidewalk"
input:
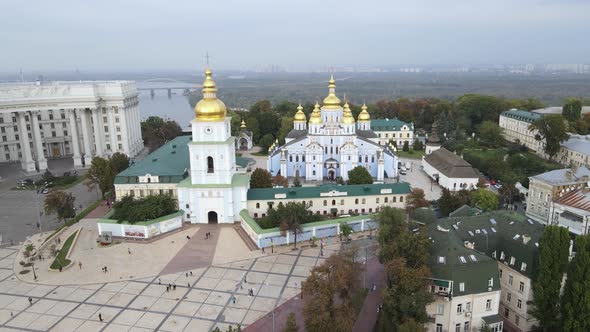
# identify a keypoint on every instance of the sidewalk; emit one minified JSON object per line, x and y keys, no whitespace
{"x":367,"y":317}
{"x":294,"y":305}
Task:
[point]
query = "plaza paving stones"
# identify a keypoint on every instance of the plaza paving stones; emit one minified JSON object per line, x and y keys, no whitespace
{"x":213,"y":296}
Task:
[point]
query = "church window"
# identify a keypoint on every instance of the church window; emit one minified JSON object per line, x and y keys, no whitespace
{"x":393,"y":199}
{"x":408,"y":135}
{"x":364,"y":201}
{"x":348,"y":158}
{"x":303,"y":158}
{"x":386,"y":199}
{"x":326,"y":149}
{"x":313,"y":172}
{"x":258,"y":205}
{"x":372,"y":159}
{"x":325,"y":202}
{"x":386,"y":135}
{"x":377,"y":200}
{"x":366,"y":159}
{"x":210,"y":167}
{"x":297,"y":158}
{"x":360,"y":159}
{"x":401,"y":199}
{"x":331,"y":150}
{"x":333,"y":202}
{"x":331,"y":141}
{"x":336,"y":150}
{"x":356,"y":201}
{"x":290,"y":158}
{"x":149,"y":180}
{"x":393,"y":135}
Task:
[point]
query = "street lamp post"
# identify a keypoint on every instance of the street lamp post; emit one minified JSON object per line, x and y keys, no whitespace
{"x":34,"y":273}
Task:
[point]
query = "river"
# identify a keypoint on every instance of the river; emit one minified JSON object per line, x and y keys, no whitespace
{"x":174,"y":107}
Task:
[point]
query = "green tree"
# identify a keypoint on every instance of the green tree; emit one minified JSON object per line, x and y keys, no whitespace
{"x":359,"y":175}
{"x":479,"y":108}
{"x":279,"y":180}
{"x":119,"y":162}
{"x":145,"y":208}
{"x":60,"y":203}
{"x":265,"y":142}
{"x":291,"y":220}
{"x":252,"y":124}
{"x":449,"y":202}
{"x":286,"y":127}
{"x":553,"y":130}
{"x":100,"y":175}
{"x":552,"y":264}
{"x":345,"y":229}
{"x":410,"y":325}
{"x":484,"y":199}
{"x":297,"y":182}
{"x":572,"y":109}
{"x":328,"y":294}
{"x":417,"y":146}
{"x":291,"y":324}
{"x":260,"y":178}
{"x":575,"y":302}
{"x":157,"y":131}
{"x":416,"y":199}
{"x":406,"y":146}
{"x":490,"y":134}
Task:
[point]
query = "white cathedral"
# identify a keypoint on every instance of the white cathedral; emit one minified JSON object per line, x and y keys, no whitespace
{"x":331,"y":144}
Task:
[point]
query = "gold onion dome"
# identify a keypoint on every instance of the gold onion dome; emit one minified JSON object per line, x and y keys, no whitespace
{"x":331,"y":101}
{"x":243,"y":125}
{"x":300,"y":116}
{"x":364,"y":115}
{"x":210,"y":108}
{"x":347,"y":117}
{"x":316,"y":117}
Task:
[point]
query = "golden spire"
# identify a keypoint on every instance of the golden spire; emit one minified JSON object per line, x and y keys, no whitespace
{"x":316,"y":116}
{"x":364,"y":115}
{"x":210,"y":108}
{"x":347,"y":117}
{"x":243,"y":125}
{"x":332,"y":101}
{"x":299,"y":116}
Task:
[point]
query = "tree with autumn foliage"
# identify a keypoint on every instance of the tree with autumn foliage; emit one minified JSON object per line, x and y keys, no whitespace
{"x":279,"y":180}
{"x":328,"y":294}
{"x":416,"y":199}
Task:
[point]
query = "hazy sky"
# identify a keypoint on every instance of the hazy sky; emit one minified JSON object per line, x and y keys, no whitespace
{"x":145,"y":34}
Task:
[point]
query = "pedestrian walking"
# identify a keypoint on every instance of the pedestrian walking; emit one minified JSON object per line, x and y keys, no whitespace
{"x":188,"y":237}
{"x":80,"y":265}
{"x":174,"y":287}
{"x":170,"y":286}
{"x":191,"y":273}
{"x":100,"y":316}
{"x":60,"y":268}
{"x":186,"y":274}
{"x":263,"y":250}
{"x":188,"y":285}
{"x":167,"y":289}
{"x":106,"y":269}
{"x":30,"y":300}
{"x":129,"y":251}
{"x":234,"y":300}
{"x":159,"y":281}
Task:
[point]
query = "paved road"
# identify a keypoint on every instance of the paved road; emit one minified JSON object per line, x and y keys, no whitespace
{"x":19,"y":209}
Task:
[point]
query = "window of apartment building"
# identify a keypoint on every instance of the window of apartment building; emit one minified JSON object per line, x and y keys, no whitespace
{"x":491,"y":282}
{"x":458,"y":327}
{"x":502,"y":256}
{"x":517,"y":320}
{"x":459,"y":308}
{"x":50,"y":116}
{"x":118,"y":137}
{"x":468,"y":306}
{"x":523,"y":267}
{"x":377,"y":200}
{"x":117,"y":119}
{"x":3,"y":130}
{"x":466,"y":327}
{"x":108,"y":146}
{"x":28,"y":127}
{"x":510,"y":279}
{"x":461,"y":287}
{"x":106,"y":129}
{"x":521,"y":287}
{"x":30,"y":136}
{"x":393,"y":199}
{"x":27,"y":118}
{"x":508,"y":297}
{"x":439,"y":328}
{"x":363,"y":201}
{"x":506,"y":312}
{"x":500,"y":271}
{"x":440,"y":309}
{"x":118,"y":129}
{"x":53,"y":134}
{"x":3,"y":138}
{"x":7,"y":156}
{"x":489,"y":304}
{"x":326,"y":202}
{"x":385,"y":199}
{"x":16,"y":137}
{"x":1,"y":119}
{"x":65,"y":133}
{"x":512,"y":260}
{"x":519,"y":304}
{"x":63,"y":116}
{"x":53,"y":126}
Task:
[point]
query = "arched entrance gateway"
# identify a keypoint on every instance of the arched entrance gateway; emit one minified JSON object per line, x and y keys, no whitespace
{"x":212,"y":217}
{"x":331,"y":175}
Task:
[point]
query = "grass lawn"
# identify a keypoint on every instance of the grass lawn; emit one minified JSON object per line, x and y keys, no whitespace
{"x":59,"y":183}
{"x":60,"y":259}
{"x":413,"y":155}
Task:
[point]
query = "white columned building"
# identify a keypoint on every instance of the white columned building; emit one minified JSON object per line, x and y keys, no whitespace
{"x":46,"y":120}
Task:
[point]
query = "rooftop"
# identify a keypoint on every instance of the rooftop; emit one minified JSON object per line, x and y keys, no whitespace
{"x":450,"y":164}
{"x":169,"y":162}
{"x":557,"y":110}
{"x":390,"y":124}
{"x":564,"y":176}
{"x":578,"y":143}
{"x":521,"y":115}
{"x":328,"y":190}
{"x":579,"y":199}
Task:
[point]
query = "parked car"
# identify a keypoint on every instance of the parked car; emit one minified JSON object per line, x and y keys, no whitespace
{"x":45,"y":191}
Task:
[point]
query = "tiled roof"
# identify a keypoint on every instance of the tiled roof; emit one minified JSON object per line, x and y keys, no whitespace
{"x":296,"y":133}
{"x":170,"y":162}
{"x":390,"y":124}
{"x":521,"y":115}
{"x":317,"y":191}
{"x":450,"y":164}
{"x":564,"y":176}
{"x":579,"y":199}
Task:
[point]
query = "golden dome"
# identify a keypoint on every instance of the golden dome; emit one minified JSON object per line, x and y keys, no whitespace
{"x":331,"y":101}
{"x":243,"y":125}
{"x":364,"y":115}
{"x":347,"y":117}
{"x":210,"y":108}
{"x":300,"y":116}
{"x":316,"y":116}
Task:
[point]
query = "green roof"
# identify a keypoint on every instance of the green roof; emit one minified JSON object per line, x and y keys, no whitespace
{"x":169,"y":162}
{"x":242,"y":161}
{"x":389,"y":124}
{"x":316,"y":191}
{"x":106,"y":220}
{"x":522,"y":115}
{"x":504,"y":234}
{"x":461,"y":264}
{"x":492,"y":319}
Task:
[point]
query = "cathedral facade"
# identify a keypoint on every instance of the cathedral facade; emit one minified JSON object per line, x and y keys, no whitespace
{"x":331,"y":144}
